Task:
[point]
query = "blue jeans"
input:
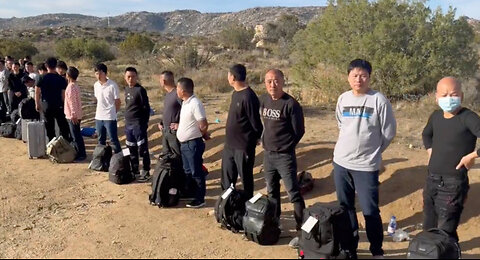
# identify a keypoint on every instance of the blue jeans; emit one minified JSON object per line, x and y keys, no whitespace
{"x":109,"y":127}
{"x":192,"y":152}
{"x":77,"y":138}
{"x":366,"y":185}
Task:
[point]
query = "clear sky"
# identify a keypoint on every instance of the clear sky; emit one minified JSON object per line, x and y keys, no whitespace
{"x":23,"y":8}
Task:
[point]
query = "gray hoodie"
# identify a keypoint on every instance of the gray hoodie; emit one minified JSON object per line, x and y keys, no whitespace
{"x":367,"y":126}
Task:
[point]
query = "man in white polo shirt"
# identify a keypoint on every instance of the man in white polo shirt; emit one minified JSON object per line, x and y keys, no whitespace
{"x":108,"y":103}
{"x":192,"y":128}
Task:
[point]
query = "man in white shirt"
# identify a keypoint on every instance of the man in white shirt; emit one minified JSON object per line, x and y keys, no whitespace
{"x":108,"y":103}
{"x":4,"y":104}
{"x":192,"y":128}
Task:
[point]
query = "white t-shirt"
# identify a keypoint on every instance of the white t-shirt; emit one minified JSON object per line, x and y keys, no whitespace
{"x":35,"y":77}
{"x":106,"y":95}
{"x":192,"y":111}
{"x":4,"y":80}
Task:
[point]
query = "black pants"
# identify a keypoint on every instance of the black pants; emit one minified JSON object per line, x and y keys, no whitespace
{"x":137,"y":143}
{"x":443,"y":199}
{"x":56,"y":113}
{"x":170,"y":142}
{"x":4,"y":102}
{"x":238,"y":162}
{"x":284,"y":166}
{"x":365,"y":184}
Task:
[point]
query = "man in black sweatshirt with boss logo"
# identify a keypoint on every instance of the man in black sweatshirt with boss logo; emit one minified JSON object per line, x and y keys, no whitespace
{"x":284,"y":127}
{"x":243,"y":131}
{"x":137,"y":115}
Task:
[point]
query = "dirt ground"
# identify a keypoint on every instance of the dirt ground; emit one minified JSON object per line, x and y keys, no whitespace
{"x":67,"y":211}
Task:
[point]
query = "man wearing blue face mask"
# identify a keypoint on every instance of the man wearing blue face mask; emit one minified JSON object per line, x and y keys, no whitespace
{"x":450,"y":138}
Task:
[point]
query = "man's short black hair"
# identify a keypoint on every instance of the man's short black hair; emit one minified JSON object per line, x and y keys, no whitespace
{"x":41,"y":66}
{"x":131,"y":69}
{"x":239,"y":72}
{"x":168,"y":76}
{"x":62,"y":65}
{"x":361,"y":64}
{"x":29,"y":63}
{"x":51,"y":63}
{"x":186,"y":84}
{"x":73,"y":73}
{"x":101,"y":67}
{"x":26,"y":79}
{"x":16,"y":63}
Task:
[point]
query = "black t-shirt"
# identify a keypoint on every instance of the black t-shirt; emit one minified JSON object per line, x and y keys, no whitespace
{"x":244,"y":126}
{"x":171,"y":109}
{"x":450,"y":140}
{"x":137,"y":107}
{"x":15,"y":82}
{"x":283,"y":122}
{"x":52,"y":86}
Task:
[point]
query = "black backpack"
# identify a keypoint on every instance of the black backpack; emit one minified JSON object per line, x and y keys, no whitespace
{"x":434,"y":244}
{"x":8,"y":130}
{"x":230,"y":209}
{"x":101,"y":158}
{"x":120,"y":170}
{"x":14,"y":116}
{"x":3,"y":114}
{"x":260,"y":222}
{"x":27,"y":109}
{"x":331,"y":237}
{"x":168,"y":179}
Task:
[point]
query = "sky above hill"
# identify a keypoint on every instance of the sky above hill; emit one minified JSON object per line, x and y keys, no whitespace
{"x":103,"y":8}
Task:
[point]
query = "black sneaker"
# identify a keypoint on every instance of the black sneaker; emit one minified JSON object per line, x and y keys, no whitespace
{"x":195,"y":204}
{"x":144,"y":176}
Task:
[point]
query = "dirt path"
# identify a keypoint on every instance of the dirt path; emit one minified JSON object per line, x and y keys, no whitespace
{"x":67,"y":211}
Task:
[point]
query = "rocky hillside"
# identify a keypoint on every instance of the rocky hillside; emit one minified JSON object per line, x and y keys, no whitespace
{"x":184,"y":22}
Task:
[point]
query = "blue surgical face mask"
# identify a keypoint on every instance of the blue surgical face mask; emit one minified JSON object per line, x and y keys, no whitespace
{"x":449,"y":104}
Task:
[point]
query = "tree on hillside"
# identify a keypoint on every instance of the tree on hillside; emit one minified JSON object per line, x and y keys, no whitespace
{"x":136,"y":45}
{"x":410,"y":46}
{"x":17,"y":48}
{"x":237,"y":37}
{"x":74,"y":49}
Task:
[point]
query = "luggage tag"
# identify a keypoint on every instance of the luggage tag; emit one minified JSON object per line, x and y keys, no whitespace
{"x":227,"y":193}
{"x":126,"y":152}
{"x":255,"y":198}
{"x":309,"y":224}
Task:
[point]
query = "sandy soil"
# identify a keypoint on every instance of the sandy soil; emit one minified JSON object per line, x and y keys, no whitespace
{"x":66,"y":211}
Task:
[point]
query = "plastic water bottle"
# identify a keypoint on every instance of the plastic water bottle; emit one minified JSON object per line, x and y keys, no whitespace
{"x":400,"y":235}
{"x":392,"y":226}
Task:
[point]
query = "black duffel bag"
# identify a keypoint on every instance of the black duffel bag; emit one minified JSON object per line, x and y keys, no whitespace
{"x":27,"y":109}
{"x":101,"y":158}
{"x":434,"y":244}
{"x":168,"y":179}
{"x":8,"y":130}
{"x":260,"y":222}
{"x":120,"y":169}
{"x":230,"y":209}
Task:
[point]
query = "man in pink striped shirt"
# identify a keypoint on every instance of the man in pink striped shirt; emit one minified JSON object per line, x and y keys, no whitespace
{"x":73,"y":112}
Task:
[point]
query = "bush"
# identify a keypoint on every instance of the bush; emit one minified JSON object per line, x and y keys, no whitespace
{"x":79,"y":48}
{"x":410,"y":47}
{"x":136,"y":44}
{"x":17,"y":48}
{"x":237,"y":37}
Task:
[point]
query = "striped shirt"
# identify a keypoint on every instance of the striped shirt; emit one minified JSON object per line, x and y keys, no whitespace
{"x":73,"y":102}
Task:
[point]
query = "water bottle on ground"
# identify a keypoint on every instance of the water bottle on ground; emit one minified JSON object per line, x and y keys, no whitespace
{"x":392,"y":226}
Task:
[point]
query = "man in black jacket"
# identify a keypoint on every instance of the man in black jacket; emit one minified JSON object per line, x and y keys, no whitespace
{"x":243,"y":131}
{"x":18,"y":90}
{"x":284,"y":127}
{"x":137,"y":115}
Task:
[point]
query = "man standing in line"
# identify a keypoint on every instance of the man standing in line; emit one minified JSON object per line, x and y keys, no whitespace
{"x":192,"y":128}
{"x":18,"y":90}
{"x":243,"y":132}
{"x":50,"y":98}
{"x":137,"y":115}
{"x":4,"y":103}
{"x":367,"y":126}
{"x":284,"y":127}
{"x":450,"y":138}
{"x":171,"y":114}
{"x":108,"y":104}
